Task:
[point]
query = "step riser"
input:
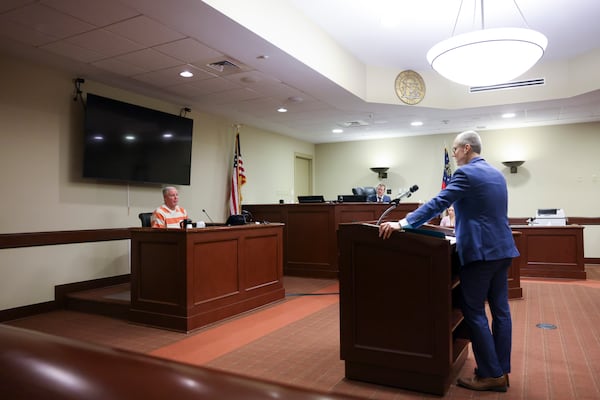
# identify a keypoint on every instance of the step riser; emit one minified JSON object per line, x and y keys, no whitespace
{"x":108,"y":309}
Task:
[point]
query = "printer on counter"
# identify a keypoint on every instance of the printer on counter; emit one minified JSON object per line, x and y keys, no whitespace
{"x":549,"y":217}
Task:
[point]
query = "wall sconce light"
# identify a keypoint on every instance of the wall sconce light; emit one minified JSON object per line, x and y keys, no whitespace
{"x":381,"y":171}
{"x":513,"y":165}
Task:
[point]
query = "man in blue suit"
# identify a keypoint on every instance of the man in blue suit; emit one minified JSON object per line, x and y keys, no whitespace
{"x":485,"y":247}
{"x":380,"y":196}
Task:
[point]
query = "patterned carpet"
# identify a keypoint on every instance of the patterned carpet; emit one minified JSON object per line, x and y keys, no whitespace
{"x":296,"y":342}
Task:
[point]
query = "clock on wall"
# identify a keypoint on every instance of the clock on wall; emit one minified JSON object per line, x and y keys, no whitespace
{"x":410,"y":87}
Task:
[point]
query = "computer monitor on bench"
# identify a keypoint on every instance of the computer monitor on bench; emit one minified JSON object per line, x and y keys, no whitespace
{"x":311,"y":199}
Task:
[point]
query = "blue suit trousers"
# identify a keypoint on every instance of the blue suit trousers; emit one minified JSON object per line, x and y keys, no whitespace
{"x":481,"y":281}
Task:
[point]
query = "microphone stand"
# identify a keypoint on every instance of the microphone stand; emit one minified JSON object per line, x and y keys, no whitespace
{"x":395,"y":203}
{"x":211,"y":220}
{"x":386,"y":212}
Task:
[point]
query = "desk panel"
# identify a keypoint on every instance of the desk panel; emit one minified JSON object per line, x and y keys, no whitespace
{"x":215,"y":271}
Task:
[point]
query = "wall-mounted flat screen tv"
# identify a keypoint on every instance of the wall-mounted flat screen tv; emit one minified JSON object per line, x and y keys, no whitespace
{"x":130,"y":143}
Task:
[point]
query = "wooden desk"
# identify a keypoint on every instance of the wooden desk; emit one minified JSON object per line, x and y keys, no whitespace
{"x":185,"y":279}
{"x":310,"y":234}
{"x":552,"y":251}
{"x":400,"y":324}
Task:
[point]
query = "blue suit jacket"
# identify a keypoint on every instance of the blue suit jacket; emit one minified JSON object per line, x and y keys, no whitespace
{"x":373,"y":198}
{"x":478,"y":192}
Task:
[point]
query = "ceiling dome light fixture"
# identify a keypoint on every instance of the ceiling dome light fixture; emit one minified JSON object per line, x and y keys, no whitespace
{"x":487,"y":56}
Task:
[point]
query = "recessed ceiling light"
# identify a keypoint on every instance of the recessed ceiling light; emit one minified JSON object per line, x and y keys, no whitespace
{"x":337,"y":130}
{"x":282,"y":109}
{"x":509,"y":115}
{"x":186,"y":74}
{"x":416,"y":123}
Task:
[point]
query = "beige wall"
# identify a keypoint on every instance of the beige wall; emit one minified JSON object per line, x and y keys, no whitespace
{"x":40,"y":162}
{"x":561,"y":170}
{"x":269,"y":164}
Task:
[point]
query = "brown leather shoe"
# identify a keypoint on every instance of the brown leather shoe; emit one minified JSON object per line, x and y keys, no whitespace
{"x":505,"y":375}
{"x":483,"y":384}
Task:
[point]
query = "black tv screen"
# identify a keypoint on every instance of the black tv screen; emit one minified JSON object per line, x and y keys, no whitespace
{"x":126,"y":142}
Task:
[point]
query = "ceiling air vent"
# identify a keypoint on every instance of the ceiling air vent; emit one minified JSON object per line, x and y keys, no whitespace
{"x":508,"y":85}
{"x":223,"y":66}
{"x":354,"y":124}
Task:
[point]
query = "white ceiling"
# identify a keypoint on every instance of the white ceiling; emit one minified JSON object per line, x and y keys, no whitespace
{"x":330,"y":62}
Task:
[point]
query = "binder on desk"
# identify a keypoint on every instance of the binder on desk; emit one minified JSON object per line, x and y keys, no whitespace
{"x":427,"y":232}
{"x":431,"y":231}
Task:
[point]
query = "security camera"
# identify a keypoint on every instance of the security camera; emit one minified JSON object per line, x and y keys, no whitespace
{"x":79,"y":80}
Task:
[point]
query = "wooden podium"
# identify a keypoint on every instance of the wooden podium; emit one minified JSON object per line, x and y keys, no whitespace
{"x":185,"y":279}
{"x":400,"y":322}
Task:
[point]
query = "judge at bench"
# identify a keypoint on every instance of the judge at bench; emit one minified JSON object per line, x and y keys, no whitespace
{"x":485,"y":248}
{"x":380,"y":196}
{"x":170,"y":214}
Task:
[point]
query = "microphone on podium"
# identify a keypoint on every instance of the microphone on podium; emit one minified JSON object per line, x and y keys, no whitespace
{"x":394,"y":203}
{"x":407,"y":193}
{"x":209,"y":218}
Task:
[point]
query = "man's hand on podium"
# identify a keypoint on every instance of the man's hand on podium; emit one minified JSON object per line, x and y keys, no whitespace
{"x":386,"y":229}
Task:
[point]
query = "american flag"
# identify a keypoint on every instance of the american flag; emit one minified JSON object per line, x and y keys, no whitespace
{"x":447,"y":171}
{"x":238,"y":178}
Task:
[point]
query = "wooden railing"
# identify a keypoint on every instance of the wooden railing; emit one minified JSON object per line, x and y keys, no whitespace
{"x":31,"y":239}
{"x":35,"y":365}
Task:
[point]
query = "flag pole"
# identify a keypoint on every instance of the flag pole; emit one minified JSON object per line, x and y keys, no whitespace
{"x":238,"y":177}
{"x":447,"y":169}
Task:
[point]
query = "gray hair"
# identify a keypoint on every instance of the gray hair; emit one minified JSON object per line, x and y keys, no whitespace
{"x":166,"y":189}
{"x":471,"y":138}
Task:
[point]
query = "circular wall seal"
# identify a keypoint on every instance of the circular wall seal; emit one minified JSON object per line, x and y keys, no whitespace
{"x":410,"y":87}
